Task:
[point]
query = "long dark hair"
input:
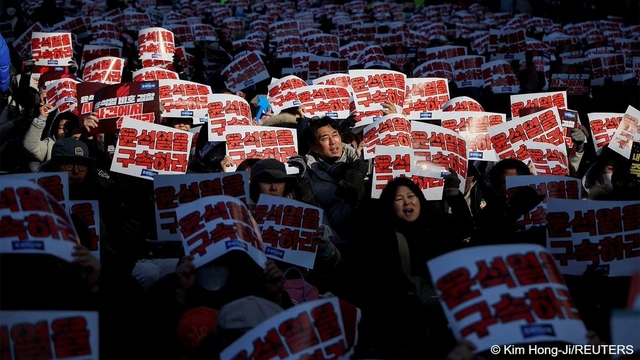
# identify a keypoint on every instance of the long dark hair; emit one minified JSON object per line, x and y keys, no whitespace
{"x":387,"y":198}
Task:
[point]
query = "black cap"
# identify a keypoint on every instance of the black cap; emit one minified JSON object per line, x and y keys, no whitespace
{"x":71,"y":150}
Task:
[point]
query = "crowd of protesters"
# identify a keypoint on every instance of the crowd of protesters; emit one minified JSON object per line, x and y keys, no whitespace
{"x":154,"y":304}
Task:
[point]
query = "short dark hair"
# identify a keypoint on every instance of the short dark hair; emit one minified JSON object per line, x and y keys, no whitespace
{"x":247,"y":164}
{"x":497,"y":171}
{"x":316,"y":124}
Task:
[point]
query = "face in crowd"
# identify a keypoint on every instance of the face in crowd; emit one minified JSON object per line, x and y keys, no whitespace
{"x":406,"y":204}
{"x":271,"y":186}
{"x":328,"y":144}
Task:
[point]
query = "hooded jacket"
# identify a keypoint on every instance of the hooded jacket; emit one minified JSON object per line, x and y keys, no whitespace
{"x":41,"y":149}
{"x":324,"y":187}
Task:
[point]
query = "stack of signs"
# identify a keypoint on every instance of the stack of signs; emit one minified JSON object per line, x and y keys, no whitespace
{"x":474,"y":127}
{"x":138,"y":100}
{"x":594,"y":235}
{"x":312,"y":330}
{"x":554,"y":187}
{"x":145,"y":150}
{"x":176,"y":190}
{"x":324,"y":100}
{"x":63,"y":94}
{"x":288,"y":229}
{"x":245,"y":71}
{"x":509,"y":140}
{"x":479,"y":288}
{"x":225,"y":111}
{"x":261,"y":142}
{"x":542,"y":100}
{"x":628,"y":131}
{"x":24,"y":206}
{"x":49,"y":334}
{"x":90,"y":52}
{"x":52,"y":49}
{"x":282,"y":93}
{"x":371,"y":88}
{"x":425,"y":97}
{"x":507,"y":44}
{"x":154,"y":73}
{"x":181,"y":98}
{"x":106,"y":70}
{"x":213,"y":226}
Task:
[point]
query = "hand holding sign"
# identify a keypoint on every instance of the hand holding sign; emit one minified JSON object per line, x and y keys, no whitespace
{"x":45,"y":110}
{"x":91,"y":121}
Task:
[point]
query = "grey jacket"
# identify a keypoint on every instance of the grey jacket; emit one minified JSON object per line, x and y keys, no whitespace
{"x":336,"y":210}
{"x":40,"y":149}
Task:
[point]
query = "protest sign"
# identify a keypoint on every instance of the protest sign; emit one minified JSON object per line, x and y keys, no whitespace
{"x":62,"y":94}
{"x":213,"y":226}
{"x":603,"y":127}
{"x":508,"y":139}
{"x":33,"y":222}
{"x":289,"y":45}
{"x":183,"y":34}
{"x":444,"y":52}
{"x":54,"y":335}
{"x":204,"y":32}
{"x":261,"y":142}
{"x":312,"y":330}
{"x":425,"y":97}
{"x":111,"y":103}
{"x":154,"y":73}
{"x":606,"y":66}
{"x":74,"y":25}
{"x":225,"y":111}
{"x":389,"y":130}
{"x":628,"y":131}
{"x":573,"y":78}
{"x":324,"y":65}
{"x":156,"y":44}
{"x":542,"y":100}
{"x":282,"y":93}
{"x":371,"y":88}
{"x":474,"y":127}
{"x":389,"y":162}
{"x":181,"y":98}
{"x":89,"y":212}
{"x":283,"y":29}
{"x":288,"y":229}
{"x":554,"y":187}
{"x":467,"y":71}
{"x":507,"y":45}
{"x":86,"y":91}
{"x":145,"y":150}
{"x":106,"y":70}
{"x":176,"y":190}
{"x":324,"y":100}
{"x":594,"y":235}
{"x":245,"y":71}
{"x":322,"y":44}
{"x":480,"y":287}
{"x":342,"y":80}
{"x":434,"y":68}
{"x":55,"y":183}
{"x":462,"y":103}
{"x":499,"y":77}
{"x":136,"y":21}
{"x":548,"y":159}
{"x":51,"y":49}
{"x":436,"y":150}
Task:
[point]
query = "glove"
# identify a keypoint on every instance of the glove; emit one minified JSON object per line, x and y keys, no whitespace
{"x":178,"y":65}
{"x":300,"y":163}
{"x":452,"y":184}
{"x":578,"y":136}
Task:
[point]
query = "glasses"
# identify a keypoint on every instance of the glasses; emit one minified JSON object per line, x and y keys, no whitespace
{"x":69,"y":167}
